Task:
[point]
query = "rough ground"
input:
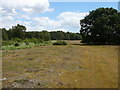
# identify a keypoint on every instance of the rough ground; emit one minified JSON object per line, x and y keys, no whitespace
{"x":71,"y":66}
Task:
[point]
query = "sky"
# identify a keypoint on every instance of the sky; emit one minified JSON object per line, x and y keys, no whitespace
{"x":38,"y":15}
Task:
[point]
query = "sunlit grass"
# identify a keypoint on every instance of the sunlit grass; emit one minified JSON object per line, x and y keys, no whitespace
{"x":70,"y":66}
{"x":23,"y":46}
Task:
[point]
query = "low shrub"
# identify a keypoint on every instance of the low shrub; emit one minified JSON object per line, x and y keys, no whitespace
{"x":16,"y":44}
{"x":60,"y":43}
{"x":27,"y":43}
{"x":5,"y":43}
{"x":16,"y":40}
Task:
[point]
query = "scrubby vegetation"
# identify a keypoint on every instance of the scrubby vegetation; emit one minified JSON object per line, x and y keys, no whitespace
{"x":60,"y":43}
{"x":21,"y":44}
{"x":17,"y":37}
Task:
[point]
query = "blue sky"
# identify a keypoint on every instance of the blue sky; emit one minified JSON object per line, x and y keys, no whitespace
{"x":76,"y":6}
{"x":44,"y":15}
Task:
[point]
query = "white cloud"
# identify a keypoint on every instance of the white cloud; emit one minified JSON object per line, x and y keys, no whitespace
{"x":20,"y":12}
{"x":46,"y":22}
{"x":8,"y":11}
{"x":66,"y":21}
{"x":29,"y":6}
{"x":6,"y":22}
{"x":24,"y":16}
{"x":60,"y":29}
{"x":9,"y":21}
{"x":71,"y":19}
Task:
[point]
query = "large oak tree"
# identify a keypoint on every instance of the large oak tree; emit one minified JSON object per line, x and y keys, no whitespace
{"x":101,"y":26}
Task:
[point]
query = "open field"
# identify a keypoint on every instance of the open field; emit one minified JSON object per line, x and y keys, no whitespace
{"x":70,"y":66}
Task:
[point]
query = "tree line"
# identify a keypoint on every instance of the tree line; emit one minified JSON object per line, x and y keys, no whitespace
{"x":101,"y":26}
{"x":19,"y":31}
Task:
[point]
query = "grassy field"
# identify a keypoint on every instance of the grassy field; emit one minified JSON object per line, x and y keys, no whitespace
{"x":70,"y":66}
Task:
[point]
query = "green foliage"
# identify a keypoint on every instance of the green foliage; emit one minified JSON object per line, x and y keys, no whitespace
{"x":101,"y":26}
{"x":6,"y":43}
{"x":74,"y":36}
{"x":32,"y":40}
{"x":4,"y":34}
{"x":46,"y":35}
{"x":60,"y":43}
{"x":60,"y":35}
{"x":17,"y":32}
{"x":27,"y":43}
{"x":16,"y":40}
{"x":23,"y":46}
{"x":16,"y":44}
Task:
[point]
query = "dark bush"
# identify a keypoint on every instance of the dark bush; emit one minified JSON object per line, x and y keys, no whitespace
{"x":60,"y":43}
{"x":16,"y":39}
{"x":16,"y":44}
{"x":27,"y":43}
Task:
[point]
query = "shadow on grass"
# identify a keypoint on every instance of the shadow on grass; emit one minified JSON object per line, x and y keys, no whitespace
{"x":82,"y":44}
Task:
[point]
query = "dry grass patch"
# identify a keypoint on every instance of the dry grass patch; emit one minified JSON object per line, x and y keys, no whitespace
{"x":71,"y":66}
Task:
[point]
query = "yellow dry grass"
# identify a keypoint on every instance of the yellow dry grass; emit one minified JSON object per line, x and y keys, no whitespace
{"x":71,"y":66}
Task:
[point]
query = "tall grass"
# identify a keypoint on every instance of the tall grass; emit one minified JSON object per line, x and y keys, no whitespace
{"x":22,"y":44}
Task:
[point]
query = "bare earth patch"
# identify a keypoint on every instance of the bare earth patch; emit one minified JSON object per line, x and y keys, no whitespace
{"x":71,"y":66}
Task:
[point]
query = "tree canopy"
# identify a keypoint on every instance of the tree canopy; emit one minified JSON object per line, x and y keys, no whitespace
{"x":101,"y":26}
{"x":19,"y":32}
{"x":60,"y":35}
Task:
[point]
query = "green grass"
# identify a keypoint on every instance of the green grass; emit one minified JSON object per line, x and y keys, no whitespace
{"x":23,"y":46}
